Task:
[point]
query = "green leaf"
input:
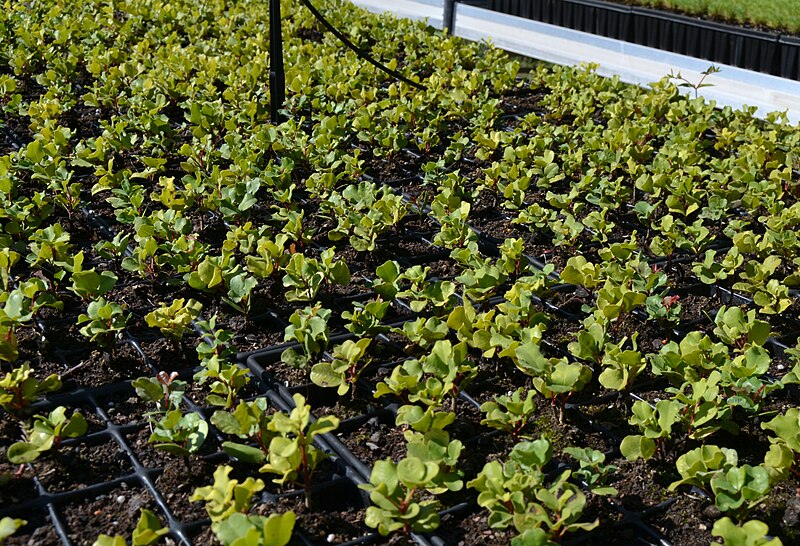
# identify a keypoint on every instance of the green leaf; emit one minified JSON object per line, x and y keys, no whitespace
{"x":23,"y":452}
{"x":532,"y":537}
{"x":322,"y":374}
{"x":76,"y":426}
{"x":294,"y":358}
{"x":277,"y":529}
{"x":9,"y":526}
{"x":238,"y":530}
{"x":637,"y":447}
{"x":244,"y":453}
{"x":324,"y":424}
{"x":106,"y":540}
{"x":34,"y":151}
{"x":413,"y":471}
{"x":148,"y":530}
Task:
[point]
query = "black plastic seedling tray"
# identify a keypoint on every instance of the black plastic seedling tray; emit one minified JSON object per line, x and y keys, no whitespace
{"x":767,"y":52}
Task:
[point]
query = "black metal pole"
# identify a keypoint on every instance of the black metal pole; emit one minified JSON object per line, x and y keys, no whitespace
{"x":277,"y":75}
{"x":449,"y":18}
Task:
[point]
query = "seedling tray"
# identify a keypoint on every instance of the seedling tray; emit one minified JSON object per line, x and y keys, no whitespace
{"x":486,"y":190}
{"x":767,"y":52}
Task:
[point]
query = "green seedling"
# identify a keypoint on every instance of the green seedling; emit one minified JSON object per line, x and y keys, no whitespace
{"x":424,"y":332}
{"x":9,"y":526}
{"x":515,"y":493}
{"x":432,"y":378}
{"x":739,"y":329}
{"x":395,"y":491}
{"x":555,"y":378}
{"x":242,"y":530}
{"x":179,"y":434}
{"x":90,"y":285}
{"x":46,"y":434}
{"x":292,"y":454}
{"x":695,"y":357}
{"x":621,"y":367}
{"x":750,"y":533}
{"x":227,"y":503}
{"x":304,"y":277}
{"x":655,"y":423}
{"x":19,"y":389}
{"x":226,"y":380}
{"x":366,"y":318}
{"x":249,"y":421}
{"x":430,"y":443}
{"x":347,"y":366}
{"x":164,"y":390}
{"x":736,"y":489}
{"x":174,"y":320}
{"x":309,"y":328}
{"x":24,"y":303}
{"x":227,"y":496}
{"x":592,"y":470}
{"x":510,"y":413}
{"x":104,"y":323}
{"x":148,"y":530}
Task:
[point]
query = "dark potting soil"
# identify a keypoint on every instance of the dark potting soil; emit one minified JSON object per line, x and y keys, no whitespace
{"x":472,"y":530}
{"x":98,"y":368}
{"x":114,"y":512}
{"x":151,"y":457}
{"x":321,"y":525}
{"x":375,"y":440}
{"x":15,"y":487}
{"x":169,"y":355}
{"x":326,"y":401}
{"x":77,"y":466}
{"x":147,"y":455}
{"x":177,"y":483}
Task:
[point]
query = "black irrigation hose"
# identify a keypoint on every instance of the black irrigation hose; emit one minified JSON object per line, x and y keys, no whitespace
{"x":364,"y":55}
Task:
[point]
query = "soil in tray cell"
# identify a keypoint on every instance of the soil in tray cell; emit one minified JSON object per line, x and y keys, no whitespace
{"x":112,"y":512}
{"x":326,"y":401}
{"x":150,"y":457}
{"x":254,"y":331}
{"x":323,"y":526}
{"x":401,"y":246}
{"x":125,"y":408}
{"x":170,"y":356}
{"x":299,"y":378}
{"x":377,"y":439}
{"x":89,"y":368}
{"x":98,"y":368}
{"x":253,"y":337}
{"x":177,"y":483}
{"x":387,"y":171}
{"x":20,"y":488}
{"x":320,"y":526}
{"x":16,"y":133}
{"x":16,"y":489}
{"x":79,"y":465}
{"x":688,"y":521}
{"x":471,"y":529}
{"x":32,"y":345}
{"x":198,"y":394}
{"x":329,"y":494}
{"x":63,"y":334}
